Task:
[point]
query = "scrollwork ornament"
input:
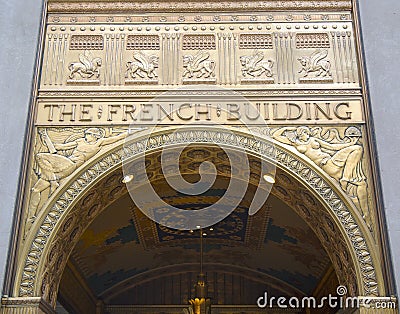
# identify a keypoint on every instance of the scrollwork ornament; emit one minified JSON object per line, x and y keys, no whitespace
{"x":254,"y":18}
{"x":289,"y":18}
{"x":216,"y":18}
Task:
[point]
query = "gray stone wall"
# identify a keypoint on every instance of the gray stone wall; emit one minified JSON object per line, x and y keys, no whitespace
{"x":380,"y":24}
{"x":19,"y":25}
{"x":19,"y":31}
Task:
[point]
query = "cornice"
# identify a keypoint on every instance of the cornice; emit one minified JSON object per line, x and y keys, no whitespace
{"x":27,"y":304}
{"x":107,"y":6}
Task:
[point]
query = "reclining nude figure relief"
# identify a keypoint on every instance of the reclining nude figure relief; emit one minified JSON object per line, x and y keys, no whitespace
{"x":341,"y":158}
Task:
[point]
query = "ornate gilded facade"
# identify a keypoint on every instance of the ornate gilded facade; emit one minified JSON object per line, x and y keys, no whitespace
{"x":111,"y":69}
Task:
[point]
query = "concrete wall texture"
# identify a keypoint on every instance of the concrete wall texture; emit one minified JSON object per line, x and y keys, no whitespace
{"x":19,"y":33}
{"x":19,"y":30}
{"x":380,"y":25}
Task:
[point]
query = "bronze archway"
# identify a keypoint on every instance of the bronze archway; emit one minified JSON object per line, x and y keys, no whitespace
{"x":39,"y":252}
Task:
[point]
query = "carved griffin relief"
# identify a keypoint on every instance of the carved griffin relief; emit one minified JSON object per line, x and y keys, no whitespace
{"x":317,"y":62}
{"x":87,"y":67}
{"x":200,"y":64}
{"x":254,"y":65}
{"x":144,"y":66}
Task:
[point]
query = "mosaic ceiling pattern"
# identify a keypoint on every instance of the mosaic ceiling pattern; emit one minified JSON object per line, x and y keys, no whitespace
{"x":122,"y":243}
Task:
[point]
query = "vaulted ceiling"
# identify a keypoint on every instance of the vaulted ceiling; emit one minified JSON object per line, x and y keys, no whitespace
{"x":275,"y":245}
{"x":123,"y":254}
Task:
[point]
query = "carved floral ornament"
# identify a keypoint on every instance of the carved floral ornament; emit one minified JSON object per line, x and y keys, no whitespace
{"x":347,"y":217}
{"x":118,"y":17}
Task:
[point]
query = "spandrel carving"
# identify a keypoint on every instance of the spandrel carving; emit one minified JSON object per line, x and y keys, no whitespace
{"x":289,"y":161}
{"x":55,"y":161}
{"x":340,"y":157}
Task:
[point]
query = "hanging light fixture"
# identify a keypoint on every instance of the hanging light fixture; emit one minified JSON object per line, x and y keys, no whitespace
{"x":200,"y":304}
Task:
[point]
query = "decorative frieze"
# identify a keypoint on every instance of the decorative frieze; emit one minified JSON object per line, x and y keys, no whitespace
{"x":195,"y":6}
{"x":289,"y":54}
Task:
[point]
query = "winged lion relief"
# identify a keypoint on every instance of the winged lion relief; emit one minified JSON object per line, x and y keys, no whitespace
{"x":255,"y":65}
{"x":199,"y":64}
{"x":317,"y":62}
{"x":87,"y":67}
{"x":143,"y":66}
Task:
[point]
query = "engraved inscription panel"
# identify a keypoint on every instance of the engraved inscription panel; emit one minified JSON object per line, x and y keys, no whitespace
{"x":177,"y":112}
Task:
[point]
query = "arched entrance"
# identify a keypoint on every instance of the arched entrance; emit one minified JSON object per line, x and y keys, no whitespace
{"x":300,"y":186}
{"x":294,"y":65}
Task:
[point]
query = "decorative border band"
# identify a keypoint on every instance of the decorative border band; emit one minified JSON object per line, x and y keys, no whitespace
{"x":194,"y":6}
